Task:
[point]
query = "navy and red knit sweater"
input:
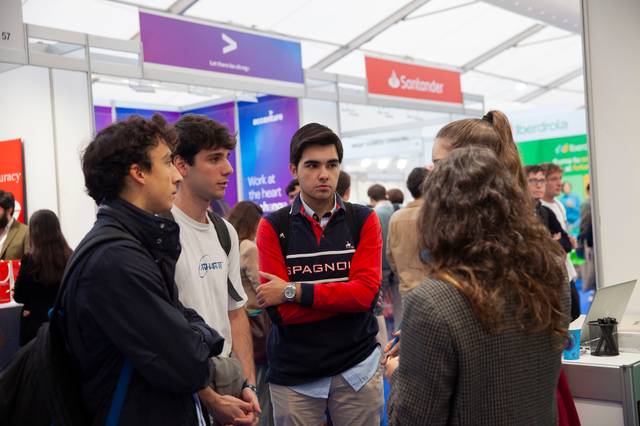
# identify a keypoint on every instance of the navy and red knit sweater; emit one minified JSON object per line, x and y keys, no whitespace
{"x":333,"y":328}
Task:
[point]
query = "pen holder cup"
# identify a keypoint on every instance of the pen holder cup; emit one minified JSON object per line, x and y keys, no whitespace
{"x":603,"y":339}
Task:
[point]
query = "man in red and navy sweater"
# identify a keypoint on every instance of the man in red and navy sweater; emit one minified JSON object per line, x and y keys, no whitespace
{"x":320,"y":284}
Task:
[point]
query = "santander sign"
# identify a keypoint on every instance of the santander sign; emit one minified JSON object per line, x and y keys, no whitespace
{"x":399,"y":79}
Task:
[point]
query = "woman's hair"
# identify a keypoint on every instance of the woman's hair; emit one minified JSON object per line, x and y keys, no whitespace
{"x":493,"y":131}
{"x":49,"y":250}
{"x":481,"y":235}
{"x":244,"y":217}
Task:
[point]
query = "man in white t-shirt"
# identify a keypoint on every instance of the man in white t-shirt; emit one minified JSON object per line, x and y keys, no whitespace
{"x":205,"y":275}
{"x":553,"y":188}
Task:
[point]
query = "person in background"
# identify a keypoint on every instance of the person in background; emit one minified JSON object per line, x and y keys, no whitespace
{"x":14,"y":236}
{"x":344,"y":186}
{"x":245,"y":217}
{"x":553,"y":189}
{"x":293,"y":188}
{"x":536,"y":184}
{"x":586,"y":241}
{"x":402,"y":241}
{"x":384,"y":209}
{"x":40,"y":272}
{"x":396,"y":197}
{"x":486,"y":329}
{"x":571,"y":204}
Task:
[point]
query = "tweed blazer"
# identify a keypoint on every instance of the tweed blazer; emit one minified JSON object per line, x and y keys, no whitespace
{"x":16,"y":245}
{"x":454,"y":372}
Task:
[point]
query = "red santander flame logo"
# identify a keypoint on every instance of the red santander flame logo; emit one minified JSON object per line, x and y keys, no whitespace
{"x":412,"y":81}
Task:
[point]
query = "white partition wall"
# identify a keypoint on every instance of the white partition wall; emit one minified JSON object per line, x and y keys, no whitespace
{"x":50,"y":111}
{"x":323,"y":112}
{"x":73,"y":129}
{"x":25,"y":113}
{"x":612,"y":67}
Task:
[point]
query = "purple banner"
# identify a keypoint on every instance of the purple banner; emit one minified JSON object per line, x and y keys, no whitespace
{"x":122,"y":113}
{"x":266,"y":128}
{"x":224,"y":114}
{"x":181,"y":43}
{"x":102,"y":115}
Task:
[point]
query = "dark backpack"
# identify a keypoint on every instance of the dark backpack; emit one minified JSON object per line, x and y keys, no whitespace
{"x":40,"y":386}
{"x":225,"y":242}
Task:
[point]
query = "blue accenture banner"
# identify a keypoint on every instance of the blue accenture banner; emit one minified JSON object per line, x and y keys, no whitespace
{"x":266,"y":128}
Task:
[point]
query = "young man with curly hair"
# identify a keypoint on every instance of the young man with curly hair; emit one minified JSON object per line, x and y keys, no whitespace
{"x":121,"y":312}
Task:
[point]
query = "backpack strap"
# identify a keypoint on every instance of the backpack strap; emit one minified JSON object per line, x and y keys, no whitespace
{"x":221,"y":230}
{"x":225,"y":241}
{"x":351,"y":221}
{"x":117,"y":401}
{"x":281,"y":222}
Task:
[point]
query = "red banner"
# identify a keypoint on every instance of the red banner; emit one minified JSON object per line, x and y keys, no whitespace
{"x":12,"y":174}
{"x":412,"y":81}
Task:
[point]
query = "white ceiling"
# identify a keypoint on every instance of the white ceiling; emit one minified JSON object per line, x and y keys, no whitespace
{"x":448,"y":32}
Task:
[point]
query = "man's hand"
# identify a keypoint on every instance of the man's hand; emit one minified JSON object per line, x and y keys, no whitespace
{"x":392,"y":348}
{"x":556,"y":236}
{"x":227,"y":409}
{"x":390,"y":367}
{"x":574,"y":242}
{"x":271,"y":293}
{"x":250,"y":396}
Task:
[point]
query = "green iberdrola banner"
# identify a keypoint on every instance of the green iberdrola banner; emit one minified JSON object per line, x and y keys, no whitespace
{"x":571,"y":153}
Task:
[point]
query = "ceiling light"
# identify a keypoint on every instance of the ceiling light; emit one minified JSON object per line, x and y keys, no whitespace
{"x":521,"y":87}
{"x":142,"y":88}
{"x":383,"y":163}
{"x":401,"y":164}
{"x":365,"y":162}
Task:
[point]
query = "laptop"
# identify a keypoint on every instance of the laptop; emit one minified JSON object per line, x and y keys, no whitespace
{"x":610,"y":301}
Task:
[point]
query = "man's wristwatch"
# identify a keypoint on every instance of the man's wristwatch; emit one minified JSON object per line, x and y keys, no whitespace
{"x":290,"y":292}
{"x":250,"y":386}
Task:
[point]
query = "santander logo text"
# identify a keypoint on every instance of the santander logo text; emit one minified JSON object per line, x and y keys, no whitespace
{"x":405,"y":83}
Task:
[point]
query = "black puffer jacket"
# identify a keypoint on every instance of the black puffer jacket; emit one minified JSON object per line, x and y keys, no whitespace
{"x":122,"y":302}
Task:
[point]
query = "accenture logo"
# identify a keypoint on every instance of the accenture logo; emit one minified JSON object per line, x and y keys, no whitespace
{"x":414,"y":84}
{"x":271,"y":118}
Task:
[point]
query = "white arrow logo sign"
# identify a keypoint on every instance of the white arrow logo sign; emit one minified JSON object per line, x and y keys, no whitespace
{"x":231,"y":44}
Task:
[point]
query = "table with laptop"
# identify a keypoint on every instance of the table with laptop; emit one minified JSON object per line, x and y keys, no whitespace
{"x":605,"y":377}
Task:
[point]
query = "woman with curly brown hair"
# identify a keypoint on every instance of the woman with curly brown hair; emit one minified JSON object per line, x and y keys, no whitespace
{"x":482,"y":337}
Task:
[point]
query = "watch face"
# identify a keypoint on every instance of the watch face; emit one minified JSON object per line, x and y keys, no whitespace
{"x":290,"y":292}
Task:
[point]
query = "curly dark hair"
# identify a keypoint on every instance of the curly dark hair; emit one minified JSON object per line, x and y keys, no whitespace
{"x":107,"y":159}
{"x":483,"y":238}
{"x":492,"y":131}
{"x":197,"y":132}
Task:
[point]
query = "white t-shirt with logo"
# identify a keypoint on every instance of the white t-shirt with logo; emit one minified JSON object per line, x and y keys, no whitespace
{"x":561,"y":214}
{"x":202,"y":271}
